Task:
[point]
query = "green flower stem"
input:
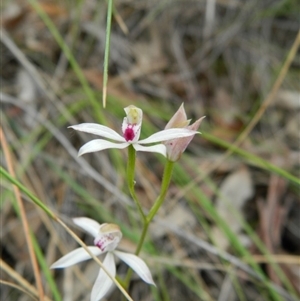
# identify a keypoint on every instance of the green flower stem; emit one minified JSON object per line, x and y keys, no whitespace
{"x":157,"y":204}
{"x":147,"y":219}
{"x":164,"y":189}
{"x":131,"y":181}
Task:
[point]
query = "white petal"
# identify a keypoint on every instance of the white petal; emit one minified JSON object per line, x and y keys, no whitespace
{"x":74,"y":257}
{"x":137,"y":264}
{"x":103,"y":283}
{"x":159,"y":148}
{"x":168,"y":135}
{"x":98,"y":145}
{"x":88,"y":224}
{"x":98,"y":129}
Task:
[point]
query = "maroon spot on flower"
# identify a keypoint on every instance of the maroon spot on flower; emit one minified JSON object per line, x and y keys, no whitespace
{"x":100,"y":244}
{"x":129,"y":134}
{"x":103,"y":242}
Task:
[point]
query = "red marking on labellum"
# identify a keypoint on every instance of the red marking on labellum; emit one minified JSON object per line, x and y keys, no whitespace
{"x":129,"y":134}
{"x":103,"y":242}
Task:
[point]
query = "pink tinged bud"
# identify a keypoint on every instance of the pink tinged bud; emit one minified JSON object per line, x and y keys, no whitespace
{"x":108,"y":237}
{"x":179,"y":119}
{"x":176,"y":147}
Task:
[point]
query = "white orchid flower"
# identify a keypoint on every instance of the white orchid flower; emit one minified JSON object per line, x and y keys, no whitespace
{"x":107,"y":237}
{"x":131,"y":129}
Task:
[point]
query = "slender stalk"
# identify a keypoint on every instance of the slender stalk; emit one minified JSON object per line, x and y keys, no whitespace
{"x":157,"y":204}
{"x":131,"y":181}
{"x":142,"y":238}
{"x":164,"y":189}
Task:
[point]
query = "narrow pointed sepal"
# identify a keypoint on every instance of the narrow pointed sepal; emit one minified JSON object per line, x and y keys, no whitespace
{"x":89,"y":225}
{"x":158,"y":148}
{"x":99,"y":145}
{"x":103,"y":282}
{"x":137,"y":264}
{"x":75,"y":256}
{"x":99,"y":130}
{"x":168,"y":135}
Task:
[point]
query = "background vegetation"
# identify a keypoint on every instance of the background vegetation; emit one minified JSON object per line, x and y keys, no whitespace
{"x":230,"y":226}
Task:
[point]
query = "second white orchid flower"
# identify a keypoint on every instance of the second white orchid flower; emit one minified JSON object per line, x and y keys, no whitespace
{"x":131,"y":129}
{"x":107,"y":237}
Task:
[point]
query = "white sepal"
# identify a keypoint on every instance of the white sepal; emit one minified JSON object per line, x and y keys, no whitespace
{"x":159,"y":148}
{"x":87,"y":224}
{"x":168,"y":135}
{"x":75,"y":256}
{"x":137,"y":264}
{"x":98,"y":129}
{"x":103,"y":283}
{"x":98,"y":145}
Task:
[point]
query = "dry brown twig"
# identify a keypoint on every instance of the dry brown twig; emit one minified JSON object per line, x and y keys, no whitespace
{"x":24,"y":220}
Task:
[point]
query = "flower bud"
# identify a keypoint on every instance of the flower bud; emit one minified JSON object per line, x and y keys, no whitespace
{"x":176,"y":147}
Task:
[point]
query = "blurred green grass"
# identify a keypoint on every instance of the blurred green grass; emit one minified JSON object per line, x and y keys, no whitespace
{"x":88,"y":202}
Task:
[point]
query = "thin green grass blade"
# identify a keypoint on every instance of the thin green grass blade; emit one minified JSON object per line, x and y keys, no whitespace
{"x":40,"y":136}
{"x":45,"y":269}
{"x":253,"y":159}
{"x":107,"y":49}
{"x":205,"y":203}
{"x":189,"y":282}
{"x":40,"y":257}
{"x":68,"y":53}
{"x":255,"y":239}
{"x":38,"y":202}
